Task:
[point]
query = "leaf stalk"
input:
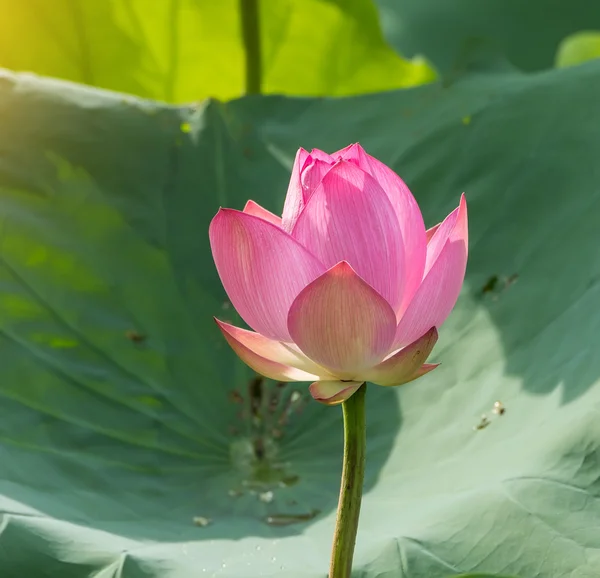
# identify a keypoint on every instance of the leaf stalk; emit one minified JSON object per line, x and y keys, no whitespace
{"x":250,"y":15}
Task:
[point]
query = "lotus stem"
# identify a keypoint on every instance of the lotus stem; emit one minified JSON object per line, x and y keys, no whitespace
{"x":250,"y":14}
{"x":353,"y":474}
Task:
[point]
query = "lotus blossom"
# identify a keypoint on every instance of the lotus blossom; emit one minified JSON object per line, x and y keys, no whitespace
{"x":346,"y":286}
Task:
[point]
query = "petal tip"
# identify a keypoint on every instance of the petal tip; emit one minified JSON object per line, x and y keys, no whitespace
{"x":462,"y":207}
{"x":217,"y":215}
{"x":343,"y":269}
{"x":353,"y":152}
{"x":301,"y":155}
{"x":361,"y":151}
{"x":223,"y":213}
{"x":216,"y":224}
{"x":461,"y":228}
{"x":433,"y":334}
{"x":426,"y":368}
{"x":226,"y":328}
{"x":253,"y":208}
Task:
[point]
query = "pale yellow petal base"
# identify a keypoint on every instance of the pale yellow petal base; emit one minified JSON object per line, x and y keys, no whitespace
{"x":333,"y":392}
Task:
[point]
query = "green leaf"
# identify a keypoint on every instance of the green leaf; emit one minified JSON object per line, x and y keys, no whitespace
{"x":186,"y":50}
{"x":526,"y":32}
{"x":480,"y":576}
{"x":128,"y":429}
{"x":578,"y":48}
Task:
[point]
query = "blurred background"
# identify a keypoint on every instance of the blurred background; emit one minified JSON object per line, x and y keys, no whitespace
{"x":180,"y":51}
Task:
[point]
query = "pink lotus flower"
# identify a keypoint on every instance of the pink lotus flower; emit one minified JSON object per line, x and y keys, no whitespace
{"x":347,"y":286}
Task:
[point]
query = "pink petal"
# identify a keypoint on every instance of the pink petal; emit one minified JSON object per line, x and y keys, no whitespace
{"x":431,"y":232}
{"x":262,"y":269}
{"x":255,"y":209}
{"x":312,"y":176}
{"x":439,"y":291}
{"x":251,"y":351}
{"x":403,"y":366}
{"x":349,"y":218}
{"x":308,"y":171}
{"x":407,"y":212}
{"x":355,"y":154}
{"x":438,"y":238}
{"x":333,"y":392}
{"x":423,"y":370}
{"x":245,"y":342}
{"x":293,"y":200}
{"x":322,"y":156}
{"x":340,"y":322}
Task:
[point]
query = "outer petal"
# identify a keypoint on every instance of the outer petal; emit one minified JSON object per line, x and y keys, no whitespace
{"x":439,"y":291}
{"x":333,"y":392}
{"x":439,"y":236}
{"x":266,"y":366}
{"x":255,"y":209}
{"x":406,"y":209}
{"x":349,"y":218}
{"x":293,"y":200}
{"x":340,"y":322}
{"x":402,"y":366}
{"x":431,"y":232}
{"x":243,"y":341}
{"x":423,"y":370}
{"x":262,"y":269}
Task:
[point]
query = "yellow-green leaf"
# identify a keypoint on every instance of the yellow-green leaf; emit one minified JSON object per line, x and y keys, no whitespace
{"x":186,"y":50}
{"x":578,"y":48}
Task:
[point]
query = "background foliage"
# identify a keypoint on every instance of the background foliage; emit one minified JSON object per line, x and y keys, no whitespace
{"x":448,"y":33}
{"x":128,"y":430}
{"x":186,"y":50}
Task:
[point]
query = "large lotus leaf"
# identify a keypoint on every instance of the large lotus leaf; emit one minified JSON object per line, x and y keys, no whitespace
{"x":186,"y":50}
{"x":528,"y":32}
{"x":134,"y":444}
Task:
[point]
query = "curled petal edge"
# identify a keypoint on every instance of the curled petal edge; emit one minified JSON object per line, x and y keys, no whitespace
{"x":256,"y":358}
{"x":285,"y":353}
{"x":423,"y":370}
{"x":333,"y":392}
{"x":406,"y":364}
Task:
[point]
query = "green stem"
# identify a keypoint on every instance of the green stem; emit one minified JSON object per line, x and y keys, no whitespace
{"x":249,"y":10}
{"x":353,"y":474}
